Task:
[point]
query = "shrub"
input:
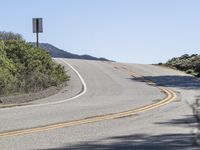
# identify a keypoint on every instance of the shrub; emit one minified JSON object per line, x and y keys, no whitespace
{"x":25,"y":68}
{"x":10,"y":36}
{"x":188,"y":63}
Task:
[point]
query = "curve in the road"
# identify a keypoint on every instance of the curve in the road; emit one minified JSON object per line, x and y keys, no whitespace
{"x":170,"y":96}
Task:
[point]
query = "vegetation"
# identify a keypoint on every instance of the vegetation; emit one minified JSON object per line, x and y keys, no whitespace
{"x":25,"y":68}
{"x":10,"y":36}
{"x":188,"y":63}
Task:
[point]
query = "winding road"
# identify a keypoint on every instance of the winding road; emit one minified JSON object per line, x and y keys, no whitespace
{"x":107,"y":105}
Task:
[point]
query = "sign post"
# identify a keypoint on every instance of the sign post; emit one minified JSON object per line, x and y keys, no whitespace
{"x":37,"y":28}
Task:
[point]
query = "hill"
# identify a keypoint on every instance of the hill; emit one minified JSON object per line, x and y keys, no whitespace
{"x":188,"y":63}
{"x":59,"y":53}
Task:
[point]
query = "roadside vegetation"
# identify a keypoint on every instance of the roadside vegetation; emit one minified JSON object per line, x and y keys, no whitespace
{"x":25,"y":68}
{"x":188,"y":63}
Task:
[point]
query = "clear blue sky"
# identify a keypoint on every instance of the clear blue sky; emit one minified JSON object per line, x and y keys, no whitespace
{"x":137,"y":31}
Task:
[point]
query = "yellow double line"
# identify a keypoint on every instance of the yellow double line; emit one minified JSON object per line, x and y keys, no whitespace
{"x":170,"y":96}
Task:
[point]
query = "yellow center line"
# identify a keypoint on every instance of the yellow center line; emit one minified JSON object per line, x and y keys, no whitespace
{"x":170,"y":96}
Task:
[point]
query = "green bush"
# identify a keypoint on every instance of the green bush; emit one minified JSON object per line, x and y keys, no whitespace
{"x":25,"y":68}
{"x":188,"y":63}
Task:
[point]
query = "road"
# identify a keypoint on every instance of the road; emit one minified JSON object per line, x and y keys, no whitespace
{"x":107,"y":105}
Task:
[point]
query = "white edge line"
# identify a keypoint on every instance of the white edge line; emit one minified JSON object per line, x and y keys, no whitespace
{"x":84,"y":90}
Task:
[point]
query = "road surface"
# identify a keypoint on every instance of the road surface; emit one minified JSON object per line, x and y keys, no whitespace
{"x":107,"y":105}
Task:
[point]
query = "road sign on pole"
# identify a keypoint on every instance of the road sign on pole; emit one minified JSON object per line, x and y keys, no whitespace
{"x":37,"y":28}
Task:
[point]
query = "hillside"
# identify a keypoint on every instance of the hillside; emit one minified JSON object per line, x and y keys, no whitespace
{"x":188,"y":63}
{"x":59,"y":53}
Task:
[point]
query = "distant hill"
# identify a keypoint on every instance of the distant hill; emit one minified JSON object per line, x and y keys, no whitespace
{"x":59,"y":53}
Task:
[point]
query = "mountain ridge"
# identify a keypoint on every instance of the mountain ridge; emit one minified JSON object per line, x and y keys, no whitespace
{"x":59,"y":53}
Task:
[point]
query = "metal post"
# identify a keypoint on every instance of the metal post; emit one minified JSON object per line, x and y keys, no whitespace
{"x":37,"y":36}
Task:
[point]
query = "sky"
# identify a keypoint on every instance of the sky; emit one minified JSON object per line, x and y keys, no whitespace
{"x":134,"y":31}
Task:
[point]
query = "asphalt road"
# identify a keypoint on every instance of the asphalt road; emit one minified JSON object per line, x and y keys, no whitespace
{"x":99,"y":110}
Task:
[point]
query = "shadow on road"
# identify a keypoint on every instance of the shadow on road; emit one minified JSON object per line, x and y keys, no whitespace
{"x":187,"y":121}
{"x":144,"y":141}
{"x":137,"y":142}
{"x":184,"y":82}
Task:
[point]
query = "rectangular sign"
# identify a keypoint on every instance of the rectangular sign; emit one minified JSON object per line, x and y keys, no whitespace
{"x":37,"y":25}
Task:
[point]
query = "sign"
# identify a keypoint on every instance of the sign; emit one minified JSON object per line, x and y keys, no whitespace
{"x":37,"y":25}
